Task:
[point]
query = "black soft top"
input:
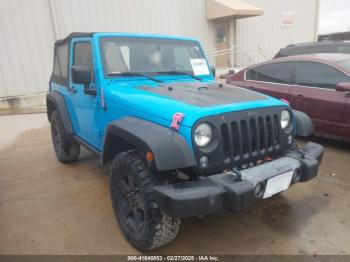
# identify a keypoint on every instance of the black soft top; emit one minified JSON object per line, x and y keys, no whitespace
{"x":73,"y":35}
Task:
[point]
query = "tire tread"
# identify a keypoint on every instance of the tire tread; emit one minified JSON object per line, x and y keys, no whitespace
{"x":70,"y":150}
{"x":160,"y":228}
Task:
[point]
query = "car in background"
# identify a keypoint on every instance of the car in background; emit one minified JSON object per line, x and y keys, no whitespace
{"x":313,"y":48}
{"x":316,"y":84}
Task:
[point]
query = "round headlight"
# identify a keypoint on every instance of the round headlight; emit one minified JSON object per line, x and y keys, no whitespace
{"x":203,"y":135}
{"x":285,"y":119}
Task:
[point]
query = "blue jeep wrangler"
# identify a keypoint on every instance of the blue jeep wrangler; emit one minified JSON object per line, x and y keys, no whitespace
{"x":178,"y":143}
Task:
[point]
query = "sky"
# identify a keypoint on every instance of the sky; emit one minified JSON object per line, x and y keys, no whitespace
{"x":334,"y":16}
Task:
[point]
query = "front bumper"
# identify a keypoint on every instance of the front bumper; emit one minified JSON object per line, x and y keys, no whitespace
{"x":234,"y":191}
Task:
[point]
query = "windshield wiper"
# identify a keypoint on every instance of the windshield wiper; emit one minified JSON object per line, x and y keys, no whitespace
{"x":135,"y":74}
{"x":179,"y":73}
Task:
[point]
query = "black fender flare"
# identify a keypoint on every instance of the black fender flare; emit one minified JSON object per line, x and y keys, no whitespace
{"x":55,"y":101}
{"x":304,"y":126}
{"x":169,"y":148}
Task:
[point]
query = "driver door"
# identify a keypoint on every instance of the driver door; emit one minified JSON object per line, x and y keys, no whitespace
{"x":84,"y":105}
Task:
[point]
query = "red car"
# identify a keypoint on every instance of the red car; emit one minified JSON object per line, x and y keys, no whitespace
{"x":316,"y":84}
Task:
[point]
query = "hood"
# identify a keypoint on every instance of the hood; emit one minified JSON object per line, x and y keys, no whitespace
{"x":194,"y":99}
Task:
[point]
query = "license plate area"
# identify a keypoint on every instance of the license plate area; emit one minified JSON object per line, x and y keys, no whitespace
{"x":278,"y":184}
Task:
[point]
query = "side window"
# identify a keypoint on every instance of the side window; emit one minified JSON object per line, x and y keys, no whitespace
{"x":319,"y":75}
{"x":83,"y":56}
{"x":276,"y":73}
{"x":345,"y":49}
{"x":296,"y":50}
{"x":61,"y":61}
{"x":62,"y":56}
{"x":319,"y":49}
{"x":56,"y":67}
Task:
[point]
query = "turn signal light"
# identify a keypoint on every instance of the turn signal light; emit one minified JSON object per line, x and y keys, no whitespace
{"x":149,"y":156}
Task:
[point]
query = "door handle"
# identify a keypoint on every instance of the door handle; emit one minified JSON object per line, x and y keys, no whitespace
{"x":299,"y":96}
{"x":71,"y":89}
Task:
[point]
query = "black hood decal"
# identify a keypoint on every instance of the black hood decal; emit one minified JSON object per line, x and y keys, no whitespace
{"x":205,"y":94}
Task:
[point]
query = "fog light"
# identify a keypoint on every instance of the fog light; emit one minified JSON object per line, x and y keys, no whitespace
{"x":203,"y":162}
{"x":259,"y":190}
{"x":296,"y":176}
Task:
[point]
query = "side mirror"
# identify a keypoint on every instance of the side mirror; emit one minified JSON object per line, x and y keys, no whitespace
{"x":82,"y":75}
{"x":213,"y":71}
{"x":343,"y":87}
{"x":231,"y":72}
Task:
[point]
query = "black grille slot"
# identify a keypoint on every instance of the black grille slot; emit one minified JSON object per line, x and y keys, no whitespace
{"x":236,"y":141}
{"x":262,"y":134}
{"x":254,"y":136}
{"x":276,"y":130}
{"x":245,"y":137}
{"x":269,"y":132}
{"x":226,"y":141}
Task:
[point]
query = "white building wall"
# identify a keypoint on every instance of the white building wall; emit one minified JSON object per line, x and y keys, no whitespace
{"x":175,"y":17}
{"x":266,"y":31}
{"x":28,"y":29}
{"x":26,"y":41}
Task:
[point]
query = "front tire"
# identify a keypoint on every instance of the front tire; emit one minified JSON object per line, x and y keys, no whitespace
{"x":66,"y":149}
{"x":131,"y":184}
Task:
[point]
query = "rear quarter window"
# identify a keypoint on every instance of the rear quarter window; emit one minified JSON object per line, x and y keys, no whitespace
{"x":296,"y":50}
{"x":320,"y":75}
{"x":60,"y":64}
{"x":344,"y":49}
{"x":62,"y":55}
{"x":56,"y":67}
{"x":60,"y":68}
{"x":320,"y":49}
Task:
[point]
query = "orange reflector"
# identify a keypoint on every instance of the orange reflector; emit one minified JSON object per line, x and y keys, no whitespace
{"x":149,"y":156}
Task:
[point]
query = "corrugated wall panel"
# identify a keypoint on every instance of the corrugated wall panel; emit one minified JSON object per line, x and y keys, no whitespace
{"x":27,"y":31}
{"x":26,"y":40}
{"x":266,"y":30}
{"x":180,"y":17}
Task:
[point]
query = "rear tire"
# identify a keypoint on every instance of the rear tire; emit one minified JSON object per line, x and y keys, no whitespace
{"x":66,"y":149}
{"x":131,"y":184}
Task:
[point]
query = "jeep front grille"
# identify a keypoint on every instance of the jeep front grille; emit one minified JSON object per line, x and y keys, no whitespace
{"x":250,"y":137}
{"x":244,"y":137}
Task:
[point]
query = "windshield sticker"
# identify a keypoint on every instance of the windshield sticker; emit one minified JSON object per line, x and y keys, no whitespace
{"x":199,"y":67}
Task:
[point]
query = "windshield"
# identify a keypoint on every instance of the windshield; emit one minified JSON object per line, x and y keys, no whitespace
{"x":152,"y":55}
